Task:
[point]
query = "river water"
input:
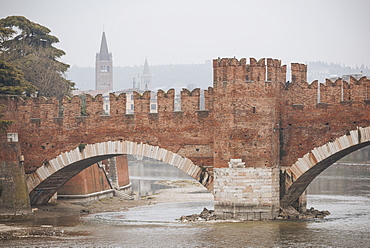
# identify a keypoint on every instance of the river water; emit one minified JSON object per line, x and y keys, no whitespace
{"x":344,"y":190}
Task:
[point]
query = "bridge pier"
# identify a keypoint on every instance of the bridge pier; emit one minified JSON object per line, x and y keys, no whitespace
{"x":14,"y":199}
{"x":248,"y":193}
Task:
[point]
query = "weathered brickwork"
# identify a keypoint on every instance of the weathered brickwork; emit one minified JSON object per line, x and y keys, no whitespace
{"x":306,"y":124}
{"x":245,"y":112}
{"x":251,"y":113}
{"x":14,"y":199}
{"x":122,"y":171}
{"x":90,"y":180}
{"x":97,"y":178}
{"x":299,"y":73}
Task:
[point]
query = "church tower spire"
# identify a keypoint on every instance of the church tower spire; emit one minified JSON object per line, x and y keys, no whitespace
{"x":146,"y":78}
{"x":104,"y":67}
{"x":104,"y":54}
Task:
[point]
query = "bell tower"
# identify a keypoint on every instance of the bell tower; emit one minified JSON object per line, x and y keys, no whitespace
{"x":146,"y":77}
{"x":104,"y":67}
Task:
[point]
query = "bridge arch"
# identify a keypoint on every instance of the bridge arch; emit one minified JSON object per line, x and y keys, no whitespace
{"x":46,"y":180}
{"x":307,"y":168}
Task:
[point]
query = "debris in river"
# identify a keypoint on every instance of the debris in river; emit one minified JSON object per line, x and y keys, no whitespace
{"x":205,"y":215}
{"x":309,"y":214}
{"x":208,"y":215}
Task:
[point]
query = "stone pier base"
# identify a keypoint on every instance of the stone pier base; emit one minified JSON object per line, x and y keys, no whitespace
{"x":240,"y":211}
{"x":247,"y":193}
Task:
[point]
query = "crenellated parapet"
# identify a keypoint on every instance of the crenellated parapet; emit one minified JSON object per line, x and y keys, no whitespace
{"x":299,"y":72}
{"x":71,"y":107}
{"x":208,"y":99}
{"x":117,"y":104}
{"x":256,"y":70}
{"x":93,"y":105}
{"x":301,"y":93}
{"x":231,"y":69}
{"x":359,"y":89}
{"x":142,"y":103}
{"x":328,"y":93}
{"x":298,"y":93}
{"x":165,"y":101}
{"x":228,"y":70}
{"x":275,"y":71}
{"x":190,"y":100}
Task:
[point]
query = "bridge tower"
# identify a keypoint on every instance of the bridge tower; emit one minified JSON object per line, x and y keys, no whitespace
{"x":104,"y":67}
{"x":246,"y":112}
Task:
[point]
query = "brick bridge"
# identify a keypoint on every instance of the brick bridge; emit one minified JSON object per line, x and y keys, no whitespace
{"x":257,"y":144}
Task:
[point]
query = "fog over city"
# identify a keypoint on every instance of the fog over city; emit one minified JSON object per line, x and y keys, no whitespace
{"x":187,"y":32}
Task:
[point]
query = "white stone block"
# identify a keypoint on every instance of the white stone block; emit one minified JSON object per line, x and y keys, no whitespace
{"x":236,"y":163}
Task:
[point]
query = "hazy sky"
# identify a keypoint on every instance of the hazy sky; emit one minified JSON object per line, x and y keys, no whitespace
{"x":192,"y":31}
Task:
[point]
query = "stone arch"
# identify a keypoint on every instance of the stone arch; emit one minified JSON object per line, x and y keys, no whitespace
{"x":46,"y":180}
{"x":307,"y":168}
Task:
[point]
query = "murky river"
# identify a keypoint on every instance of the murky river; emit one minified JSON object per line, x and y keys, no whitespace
{"x":343,"y":190}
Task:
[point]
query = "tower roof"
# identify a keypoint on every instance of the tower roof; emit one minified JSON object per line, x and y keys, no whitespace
{"x":146,"y":68}
{"x":104,"y":54}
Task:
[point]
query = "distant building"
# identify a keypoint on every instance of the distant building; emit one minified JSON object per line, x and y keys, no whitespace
{"x":104,"y":67}
{"x":357,"y":76}
{"x":104,"y":82}
{"x":321,"y":71}
{"x":103,"y":75}
{"x":144,"y":83}
{"x":347,"y":77}
{"x":146,"y":78}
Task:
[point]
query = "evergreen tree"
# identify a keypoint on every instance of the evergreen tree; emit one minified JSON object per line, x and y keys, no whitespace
{"x":12,"y":81}
{"x":29,"y":46}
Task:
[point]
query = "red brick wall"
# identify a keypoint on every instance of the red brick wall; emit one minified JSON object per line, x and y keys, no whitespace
{"x":263,"y":122}
{"x":245,"y":113}
{"x":90,"y":180}
{"x":93,"y":179}
{"x":46,"y":137}
{"x":299,"y":73}
{"x":122,"y":170}
{"x":311,"y":125}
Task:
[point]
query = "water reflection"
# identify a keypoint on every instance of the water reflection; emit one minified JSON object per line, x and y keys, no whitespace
{"x":342,"y":179}
{"x":146,"y":172}
{"x":344,"y":191}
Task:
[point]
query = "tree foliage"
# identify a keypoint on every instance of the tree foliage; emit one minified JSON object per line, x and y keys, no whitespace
{"x":29,"y":46}
{"x":12,"y":81}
